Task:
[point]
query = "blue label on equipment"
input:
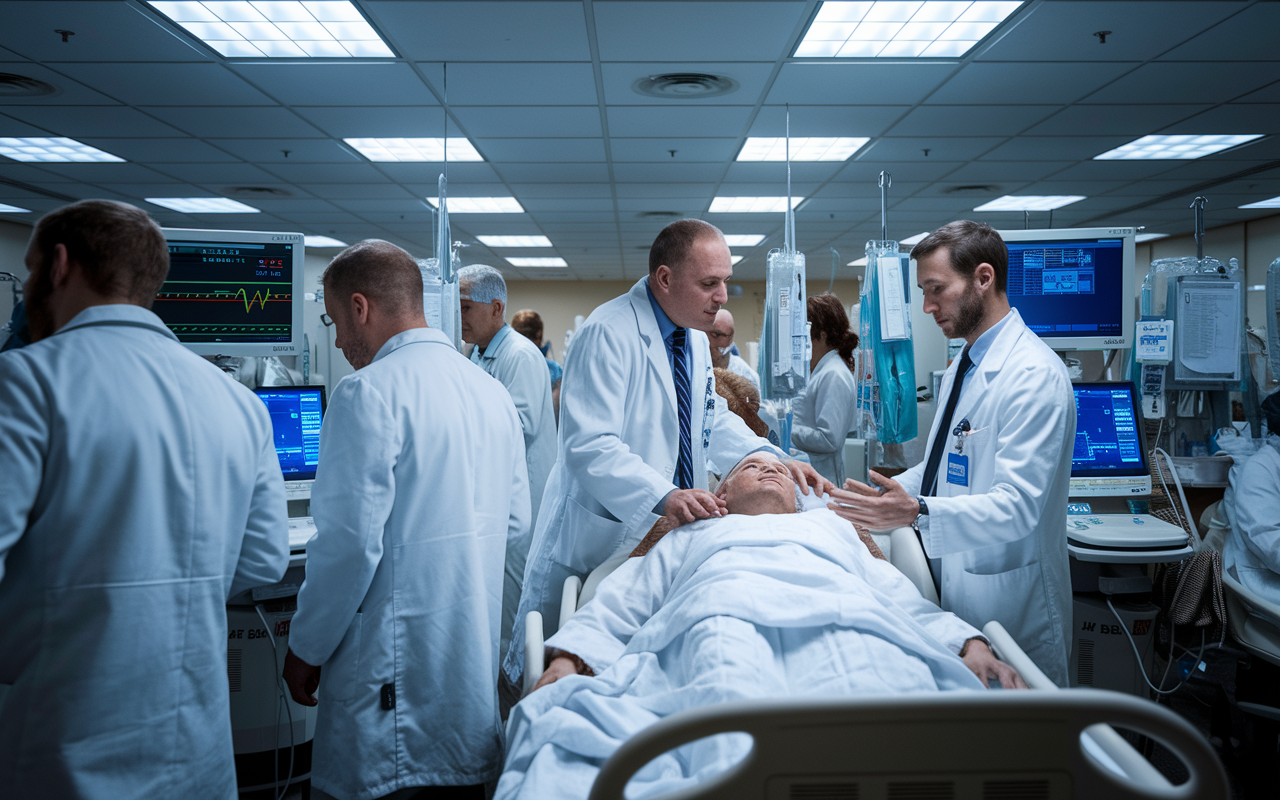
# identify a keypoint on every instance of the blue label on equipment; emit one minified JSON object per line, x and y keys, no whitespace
{"x":957,"y":469}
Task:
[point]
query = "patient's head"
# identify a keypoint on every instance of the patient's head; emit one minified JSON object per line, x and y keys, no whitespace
{"x":759,"y":484}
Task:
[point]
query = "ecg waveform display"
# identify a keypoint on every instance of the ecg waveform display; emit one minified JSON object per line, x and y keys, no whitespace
{"x":228,"y":292}
{"x":1107,"y":436}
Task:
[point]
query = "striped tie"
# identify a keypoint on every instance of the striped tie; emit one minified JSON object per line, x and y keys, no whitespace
{"x":680,"y":371}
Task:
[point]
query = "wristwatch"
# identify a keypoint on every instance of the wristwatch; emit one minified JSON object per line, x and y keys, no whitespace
{"x":921,"y":522}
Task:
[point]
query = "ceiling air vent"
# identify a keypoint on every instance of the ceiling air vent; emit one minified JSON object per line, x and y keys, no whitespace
{"x":21,"y":86}
{"x":972,"y":189}
{"x":659,"y":214}
{"x":264,"y":192}
{"x":685,"y":86}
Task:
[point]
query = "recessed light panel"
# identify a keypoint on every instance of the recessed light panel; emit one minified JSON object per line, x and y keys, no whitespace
{"x":1030,"y":202}
{"x":1272,"y":203}
{"x":914,"y":240}
{"x":735,"y":259}
{"x":203,"y":205}
{"x":537,"y":262}
{"x":415,"y":149}
{"x":41,"y":148}
{"x":309,"y":29}
{"x":751,"y":205}
{"x":514,"y":241}
{"x":480,"y":205}
{"x":322,"y":241}
{"x":5,"y":208}
{"x":1159,"y":147}
{"x":743,"y":239}
{"x":897,"y":29}
{"x":760,"y":148}
{"x":861,"y":262}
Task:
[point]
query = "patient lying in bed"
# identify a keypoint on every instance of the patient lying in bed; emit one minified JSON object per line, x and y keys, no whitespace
{"x":763,"y":603}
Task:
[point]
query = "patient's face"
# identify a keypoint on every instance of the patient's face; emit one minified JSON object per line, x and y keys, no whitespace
{"x":760,"y":484}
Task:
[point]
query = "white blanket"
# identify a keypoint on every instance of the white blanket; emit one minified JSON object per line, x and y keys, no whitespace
{"x":735,"y":608}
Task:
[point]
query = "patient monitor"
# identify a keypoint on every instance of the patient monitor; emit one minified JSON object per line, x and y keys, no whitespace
{"x":296,"y":414}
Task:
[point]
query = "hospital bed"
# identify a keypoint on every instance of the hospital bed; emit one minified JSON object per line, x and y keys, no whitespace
{"x":1042,"y":744}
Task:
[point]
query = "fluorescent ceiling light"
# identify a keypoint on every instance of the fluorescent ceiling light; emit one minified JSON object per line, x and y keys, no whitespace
{"x":41,"y":148}
{"x":459,"y":149}
{"x":514,"y":241}
{"x":1272,"y":203}
{"x":897,"y":29}
{"x":322,"y":241}
{"x":309,"y":29}
{"x":751,"y":205}
{"x":759,"y":148}
{"x":743,"y":239}
{"x":1030,"y":202}
{"x":1175,"y":146}
{"x":537,"y":262}
{"x":1148,"y":237}
{"x":862,"y":262}
{"x":203,"y":205}
{"x":1258,"y":288}
{"x":917,"y":239}
{"x":5,"y":208}
{"x":480,"y":205}
{"x":735,"y":259}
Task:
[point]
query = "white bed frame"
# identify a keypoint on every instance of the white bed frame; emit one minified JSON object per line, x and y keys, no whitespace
{"x":983,"y":746}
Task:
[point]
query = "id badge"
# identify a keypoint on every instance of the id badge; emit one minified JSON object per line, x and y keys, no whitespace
{"x":957,"y":469}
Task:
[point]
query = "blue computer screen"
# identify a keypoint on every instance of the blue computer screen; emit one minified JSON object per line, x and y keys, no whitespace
{"x":1068,"y":288}
{"x":296,"y":413}
{"x":1108,"y":441}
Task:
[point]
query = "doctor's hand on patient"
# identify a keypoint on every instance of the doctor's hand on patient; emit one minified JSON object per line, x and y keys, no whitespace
{"x":875,"y":509}
{"x":805,"y":476}
{"x":690,"y":505}
{"x":983,"y":663}
{"x":302,"y":678}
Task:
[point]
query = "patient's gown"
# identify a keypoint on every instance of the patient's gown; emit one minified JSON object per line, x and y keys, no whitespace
{"x":731,"y":609}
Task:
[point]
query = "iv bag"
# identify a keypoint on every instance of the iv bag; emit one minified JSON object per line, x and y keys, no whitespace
{"x":785,"y":342}
{"x":432,"y":289}
{"x":894,"y":358}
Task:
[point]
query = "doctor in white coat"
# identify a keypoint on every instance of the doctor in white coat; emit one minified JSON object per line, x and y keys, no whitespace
{"x":140,"y":491}
{"x":420,"y":485}
{"x":639,"y":417}
{"x":1252,"y":550}
{"x":521,"y":367}
{"x":824,"y":415}
{"x":990,"y":499}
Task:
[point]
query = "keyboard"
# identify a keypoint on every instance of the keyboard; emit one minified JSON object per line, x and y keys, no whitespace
{"x":301,"y":529}
{"x":298,"y":490}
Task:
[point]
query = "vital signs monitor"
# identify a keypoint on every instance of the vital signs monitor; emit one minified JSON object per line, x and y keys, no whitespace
{"x":296,"y":414}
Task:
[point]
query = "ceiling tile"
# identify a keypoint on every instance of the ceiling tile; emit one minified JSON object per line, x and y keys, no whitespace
{"x":1232,"y":118}
{"x":543,"y":191}
{"x":222,"y":174}
{"x":659,"y":149}
{"x":231,"y":122}
{"x":1062,"y":30}
{"x":429,"y":172}
{"x":1062,"y":148}
{"x":372,"y":121}
{"x":148,"y":85}
{"x":974,"y":120}
{"x":328,"y":173}
{"x":404,"y":205}
{"x":510,"y":84}
{"x":1112,"y":170}
{"x":478,"y":30}
{"x":553,"y":173}
{"x":1165,"y":82}
{"x":775,"y":172}
{"x":265,"y":151}
{"x":700,"y":191}
{"x":1237,"y":36}
{"x":670,"y":31}
{"x":503,"y":121}
{"x":106,"y":173}
{"x":1007,"y":171}
{"x":1113,"y":120}
{"x":694,"y":121}
{"x":866,"y":172}
{"x":1267,"y":94}
{"x":536,"y":206}
{"x":161,"y":151}
{"x":103,"y":32}
{"x":534,"y":149}
{"x":70,"y":92}
{"x":76,"y":121}
{"x":384,"y":84}
{"x":358,"y":191}
{"x":10,"y":126}
{"x":870,"y":121}
{"x":689,"y":206}
{"x":677,"y":172}
{"x":618,"y":79}
{"x":1012,"y":82}
{"x":857,"y":84}
{"x":940,"y":148}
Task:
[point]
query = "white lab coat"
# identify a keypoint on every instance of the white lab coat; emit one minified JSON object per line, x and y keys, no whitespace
{"x":521,"y":367}
{"x":140,"y":490}
{"x":617,"y":449}
{"x":739,"y":366}
{"x":1252,"y":551}
{"x":824,"y":416}
{"x":1001,"y":540}
{"x":420,"y":485}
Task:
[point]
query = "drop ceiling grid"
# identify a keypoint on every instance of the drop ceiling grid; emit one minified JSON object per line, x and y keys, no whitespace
{"x":617,"y":160}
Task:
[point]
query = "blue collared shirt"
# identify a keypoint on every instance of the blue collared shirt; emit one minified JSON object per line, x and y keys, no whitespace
{"x":980,"y":347}
{"x":492,"y":347}
{"x":666,"y":327}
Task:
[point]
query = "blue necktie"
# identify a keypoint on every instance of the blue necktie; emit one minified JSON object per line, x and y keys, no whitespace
{"x":680,"y":371}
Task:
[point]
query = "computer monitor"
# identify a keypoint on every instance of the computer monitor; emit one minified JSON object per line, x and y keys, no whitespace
{"x":1109,"y":458}
{"x":1074,"y":287}
{"x":296,"y":413}
{"x":234,"y":293}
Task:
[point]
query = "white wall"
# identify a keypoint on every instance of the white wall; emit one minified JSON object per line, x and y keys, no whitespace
{"x":13,"y":248}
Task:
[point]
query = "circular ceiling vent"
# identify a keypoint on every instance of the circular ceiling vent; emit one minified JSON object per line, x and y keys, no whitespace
{"x":685,"y":86}
{"x":977,"y":188}
{"x":257,"y":191}
{"x":21,"y":86}
{"x":659,"y":214}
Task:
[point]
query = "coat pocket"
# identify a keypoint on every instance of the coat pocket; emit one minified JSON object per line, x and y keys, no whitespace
{"x":340,"y":674}
{"x":586,"y":539}
{"x":1014,"y":598}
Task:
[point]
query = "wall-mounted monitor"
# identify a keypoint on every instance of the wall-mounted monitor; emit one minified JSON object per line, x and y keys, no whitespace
{"x":234,"y":293}
{"x":1074,"y":286}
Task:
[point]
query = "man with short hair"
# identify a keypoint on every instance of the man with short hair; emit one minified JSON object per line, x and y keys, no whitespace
{"x":141,"y":490}
{"x":639,"y":419}
{"x":421,"y":484}
{"x":722,"y":355}
{"x":990,"y":499}
{"x":521,"y":367}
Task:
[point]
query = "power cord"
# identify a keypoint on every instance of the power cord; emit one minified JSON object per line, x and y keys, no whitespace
{"x":284,"y":696}
{"x":1172,"y":644}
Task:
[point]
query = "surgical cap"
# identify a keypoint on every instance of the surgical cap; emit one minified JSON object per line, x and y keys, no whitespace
{"x":482,"y":284}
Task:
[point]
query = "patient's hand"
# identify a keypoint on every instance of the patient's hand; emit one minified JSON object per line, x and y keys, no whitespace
{"x":557,"y":669}
{"x":979,"y":658}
